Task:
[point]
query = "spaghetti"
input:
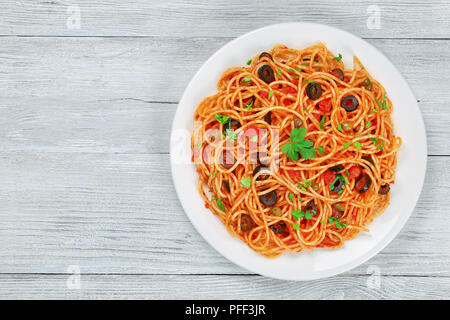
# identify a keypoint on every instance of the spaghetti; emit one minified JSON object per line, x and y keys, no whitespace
{"x":295,"y":152}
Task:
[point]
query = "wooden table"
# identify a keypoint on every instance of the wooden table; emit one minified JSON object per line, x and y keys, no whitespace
{"x":84,"y":140}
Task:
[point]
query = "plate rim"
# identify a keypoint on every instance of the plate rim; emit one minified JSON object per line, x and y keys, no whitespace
{"x":381,"y":244}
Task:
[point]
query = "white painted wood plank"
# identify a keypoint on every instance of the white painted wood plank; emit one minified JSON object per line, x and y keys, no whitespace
{"x":410,"y":18}
{"x":129,"y":126}
{"x":85,"y":94}
{"x":159,"y":69}
{"x":118,"y":213}
{"x":222,"y":287}
{"x":113,"y":126}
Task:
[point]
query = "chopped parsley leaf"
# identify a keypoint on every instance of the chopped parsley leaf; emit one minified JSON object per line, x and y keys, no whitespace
{"x":337,"y":223}
{"x":298,"y":145}
{"x":220,"y":204}
{"x":338,"y":58}
{"x":246,"y":182}
{"x":382,"y":104}
{"x":222,"y":118}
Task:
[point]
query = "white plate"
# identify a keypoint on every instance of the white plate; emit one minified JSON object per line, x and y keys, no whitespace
{"x":410,"y":173}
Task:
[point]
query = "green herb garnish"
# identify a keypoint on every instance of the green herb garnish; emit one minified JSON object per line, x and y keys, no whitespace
{"x":337,"y":223}
{"x":382,"y":104}
{"x":298,"y":144}
{"x":249,"y":62}
{"x":375,"y":142}
{"x":346,"y":145}
{"x":334,"y":181}
{"x":246,"y":182}
{"x":220,"y":204}
{"x":222,"y":118}
{"x":298,"y":214}
{"x":322,"y":121}
{"x":357,"y":145}
{"x":250,"y":105}
{"x":320,"y":150}
{"x":338,"y":58}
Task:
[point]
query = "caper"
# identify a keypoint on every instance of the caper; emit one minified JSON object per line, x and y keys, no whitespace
{"x":347,"y":125}
{"x":276,"y":211}
{"x":367,"y":84}
{"x":298,"y":122}
{"x":315,"y":186}
{"x":339,"y":206}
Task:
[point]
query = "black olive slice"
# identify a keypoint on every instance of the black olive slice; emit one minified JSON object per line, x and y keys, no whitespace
{"x":227,"y":159}
{"x":349,"y":103}
{"x":268,"y":117}
{"x":279,"y":227}
{"x":367,"y":84}
{"x":310,"y":206}
{"x":269,"y":199}
{"x":337,"y":168}
{"x":232,"y":124}
{"x":263,"y":176}
{"x":263,"y":158}
{"x":338,"y":73}
{"x":338,"y":214}
{"x":248,"y":104}
{"x":266,"y":74}
{"x":314,"y":91}
{"x":246,"y":222}
{"x":367,"y":158}
{"x":363,"y":183}
{"x":265,"y":55}
{"x":226,"y":185}
{"x":384,"y":189}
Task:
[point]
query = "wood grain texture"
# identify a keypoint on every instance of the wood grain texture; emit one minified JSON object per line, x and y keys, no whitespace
{"x":84,"y":137}
{"x":89,"y":95}
{"x":130,"y":126}
{"x":223,"y":287}
{"x":159,"y":69}
{"x":409,"y":18}
{"x":118,"y":213}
